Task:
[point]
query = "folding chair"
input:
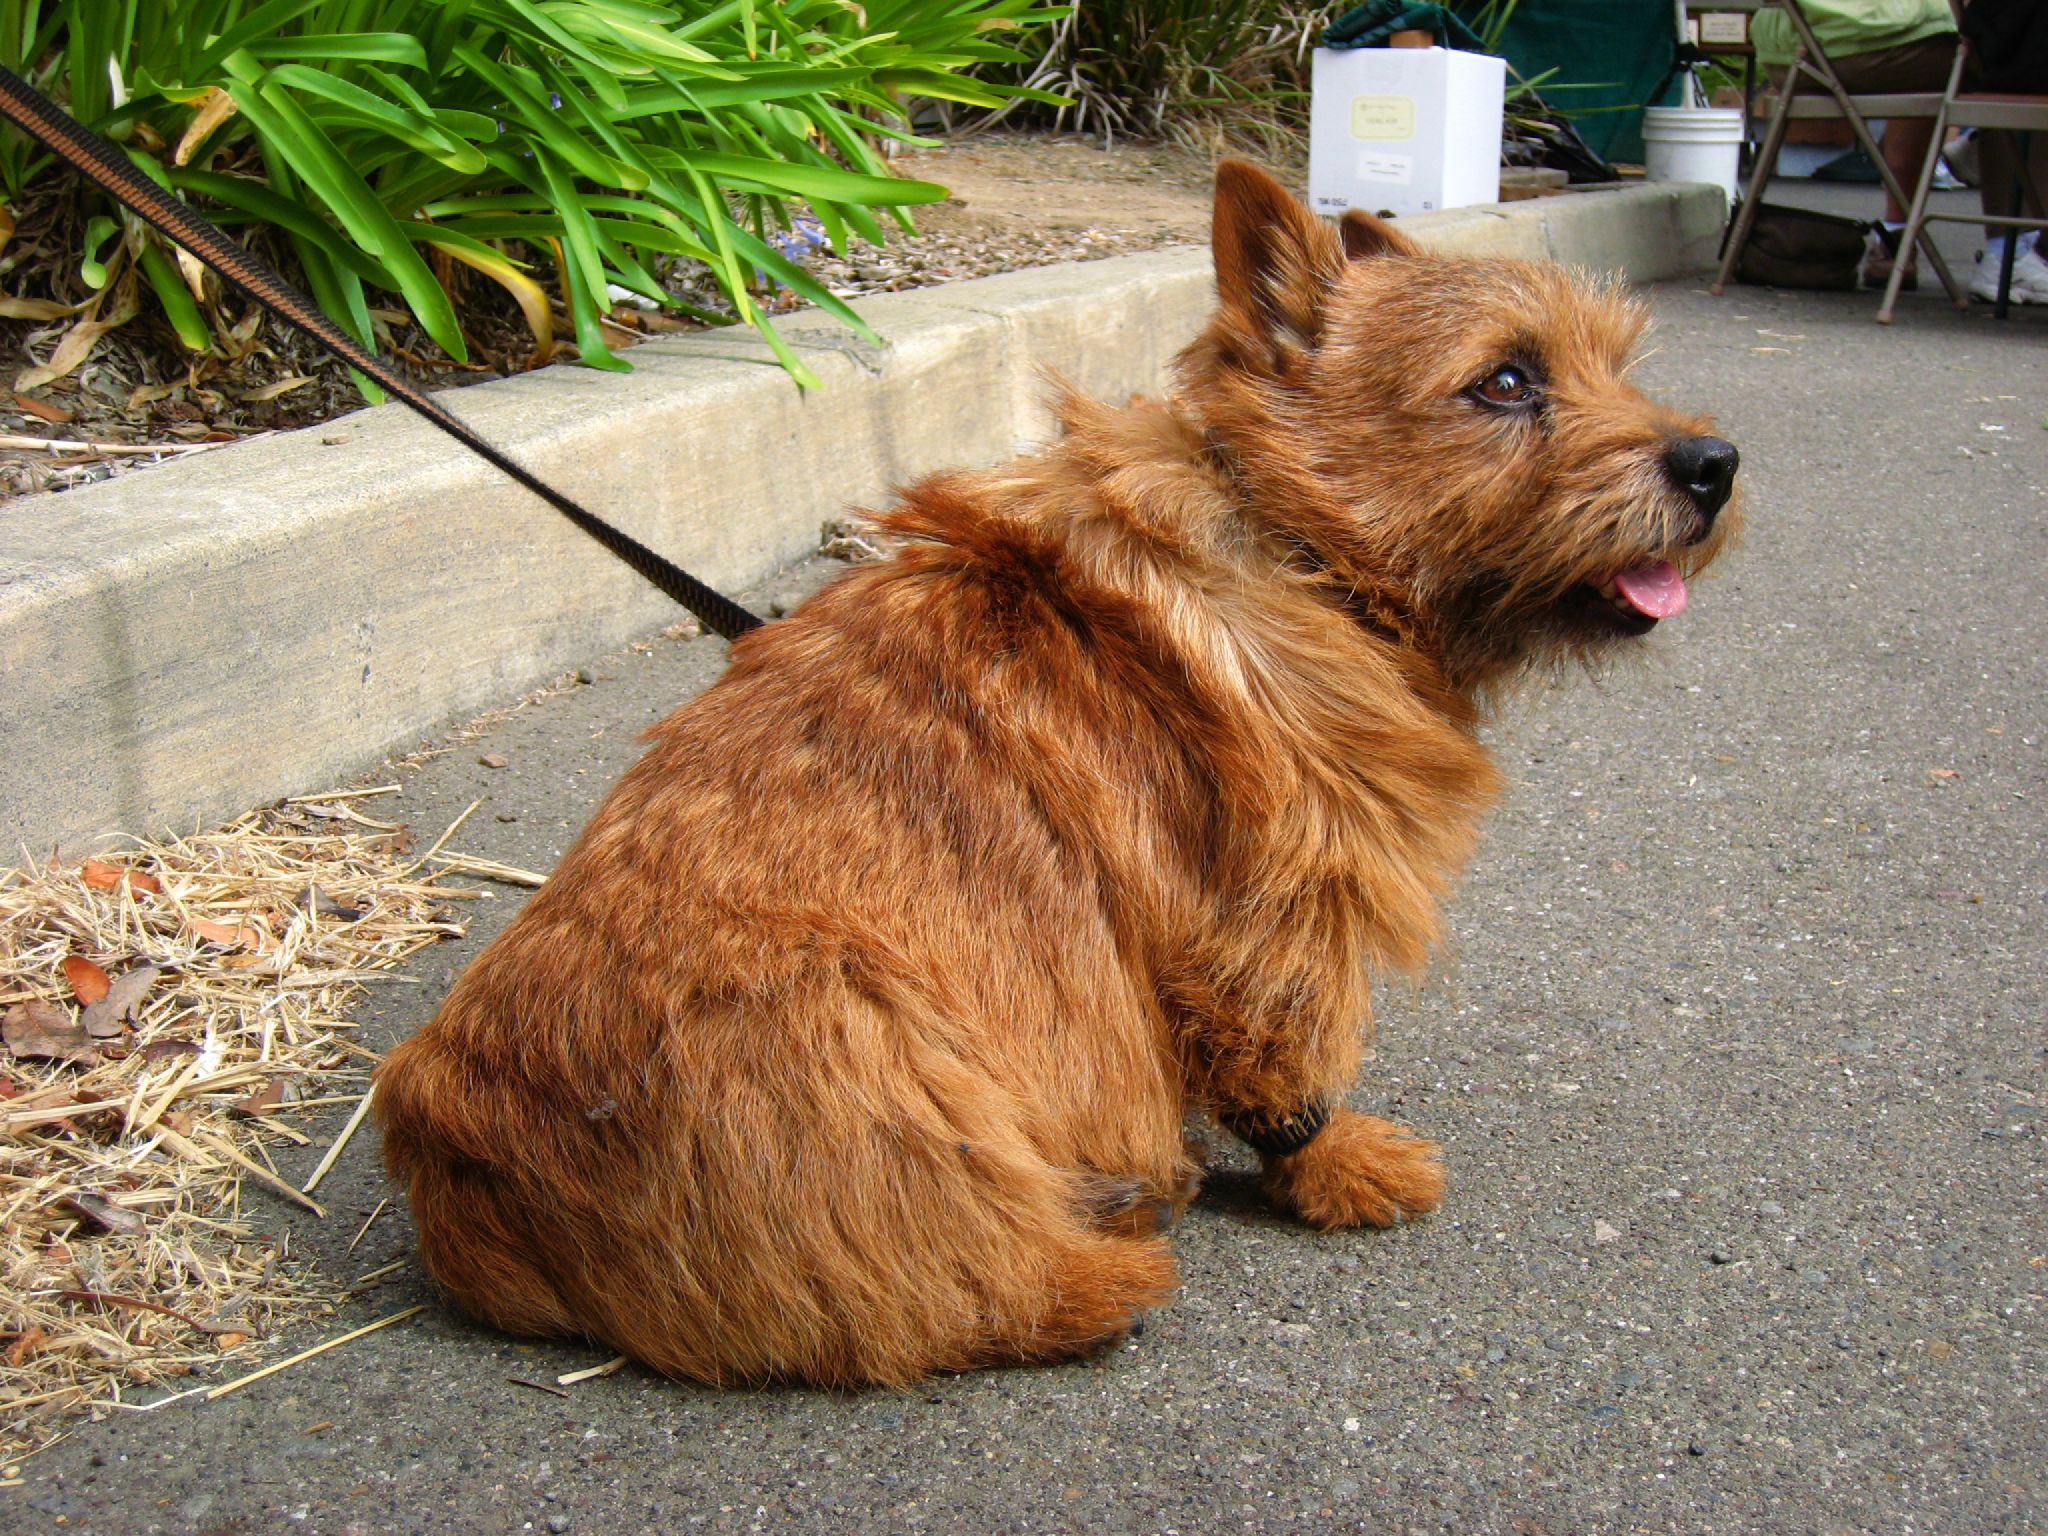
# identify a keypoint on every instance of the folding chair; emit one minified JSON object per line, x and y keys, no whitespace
{"x":1810,"y":67}
{"x":2013,"y":110}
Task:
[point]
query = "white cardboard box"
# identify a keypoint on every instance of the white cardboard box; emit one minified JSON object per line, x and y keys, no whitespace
{"x":1404,"y":130}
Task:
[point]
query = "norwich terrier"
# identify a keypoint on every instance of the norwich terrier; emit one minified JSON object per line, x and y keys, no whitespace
{"x":854,"y":1038}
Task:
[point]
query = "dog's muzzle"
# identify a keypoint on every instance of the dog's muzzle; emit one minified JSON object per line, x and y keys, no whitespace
{"x":1703,"y":468}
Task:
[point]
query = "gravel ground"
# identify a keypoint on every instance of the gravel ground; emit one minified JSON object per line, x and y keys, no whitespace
{"x":1737,"y":1060}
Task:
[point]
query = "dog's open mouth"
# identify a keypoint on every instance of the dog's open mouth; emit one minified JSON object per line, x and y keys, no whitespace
{"x":1636,"y":598}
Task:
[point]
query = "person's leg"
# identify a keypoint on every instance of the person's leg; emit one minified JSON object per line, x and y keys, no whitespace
{"x":2002,"y":190}
{"x":1904,"y":142}
{"x":2004,"y":194}
{"x":1921,"y":66}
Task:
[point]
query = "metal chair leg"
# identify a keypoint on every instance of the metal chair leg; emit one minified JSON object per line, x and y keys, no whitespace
{"x":1916,"y":226}
{"x":1753,"y":196}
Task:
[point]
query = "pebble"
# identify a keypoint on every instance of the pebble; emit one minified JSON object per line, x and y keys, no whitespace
{"x":1720,"y":1256}
{"x":585,"y":675}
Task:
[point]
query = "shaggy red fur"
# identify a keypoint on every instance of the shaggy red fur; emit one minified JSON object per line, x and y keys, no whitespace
{"x":854,"y":1038}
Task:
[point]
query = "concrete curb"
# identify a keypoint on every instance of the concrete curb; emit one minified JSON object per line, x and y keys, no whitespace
{"x":179,"y":645}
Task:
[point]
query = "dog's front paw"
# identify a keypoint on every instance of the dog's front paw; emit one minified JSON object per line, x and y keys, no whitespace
{"x":1359,"y":1171}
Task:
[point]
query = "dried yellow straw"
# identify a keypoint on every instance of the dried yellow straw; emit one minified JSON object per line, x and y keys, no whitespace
{"x":126,"y":1139}
{"x":215,"y":1394}
{"x":341,"y":1141}
{"x":608,"y":1368}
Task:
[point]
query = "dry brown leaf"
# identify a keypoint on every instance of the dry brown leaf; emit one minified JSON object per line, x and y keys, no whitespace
{"x":25,"y":1344}
{"x":193,"y":270}
{"x":211,"y":109}
{"x":79,"y":341}
{"x":319,"y":903}
{"x":42,"y":410}
{"x":88,"y":982}
{"x":103,"y":1020}
{"x":102,"y":876}
{"x":149,"y":394}
{"x":162,"y":1050}
{"x":275,"y":388}
{"x":36,"y":1031}
{"x":267,"y":1100}
{"x":34,"y":309}
{"x":228,"y":934}
{"x":102,"y":1211}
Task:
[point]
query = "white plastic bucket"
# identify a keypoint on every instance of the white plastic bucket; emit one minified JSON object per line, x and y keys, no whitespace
{"x":1693,"y":144}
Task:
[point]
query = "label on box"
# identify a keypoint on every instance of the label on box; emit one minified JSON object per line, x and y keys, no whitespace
{"x":1383,"y":117}
{"x":1724,"y":27}
{"x":1385,"y":169}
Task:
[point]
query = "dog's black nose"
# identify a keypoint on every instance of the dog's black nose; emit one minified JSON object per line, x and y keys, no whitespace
{"x":1704,"y":468}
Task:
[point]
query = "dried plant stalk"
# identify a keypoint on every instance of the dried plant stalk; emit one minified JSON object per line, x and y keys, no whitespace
{"x":129,"y":1257}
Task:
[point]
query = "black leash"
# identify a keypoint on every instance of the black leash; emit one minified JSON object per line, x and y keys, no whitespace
{"x":85,"y":151}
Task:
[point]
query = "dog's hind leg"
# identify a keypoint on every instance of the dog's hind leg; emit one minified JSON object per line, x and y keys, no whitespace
{"x":1096,"y":1292}
{"x":1134,"y":1207}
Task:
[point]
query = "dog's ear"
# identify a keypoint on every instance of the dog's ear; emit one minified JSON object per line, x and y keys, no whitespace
{"x":1275,"y":261}
{"x":1365,"y":237}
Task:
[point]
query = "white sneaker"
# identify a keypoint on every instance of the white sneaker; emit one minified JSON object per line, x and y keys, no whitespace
{"x":2029,"y":278}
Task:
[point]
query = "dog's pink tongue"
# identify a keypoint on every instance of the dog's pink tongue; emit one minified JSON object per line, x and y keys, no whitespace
{"x":1655,"y":590}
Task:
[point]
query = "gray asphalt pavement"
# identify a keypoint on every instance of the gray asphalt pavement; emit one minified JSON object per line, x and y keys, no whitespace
{"x":1737,"y":1061}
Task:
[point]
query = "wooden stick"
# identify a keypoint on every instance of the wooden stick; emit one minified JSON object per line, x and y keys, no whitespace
{"x":606,"y":1369}
{"x":64,"y":445}
{"x":184,"y":1075}
{"x":538,"y":1386}
{"x":367,"y":1220}
{"x":490,"y":869}
{"x":214,"y":1394}
{"x":49,"y":1114}
{"x":341,"y":1141}
{"x":344,"y":794}
{"x":439,"y":843}
{"x":255,"y":1170}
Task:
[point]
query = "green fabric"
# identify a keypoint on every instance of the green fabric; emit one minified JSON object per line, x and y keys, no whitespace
{"x":1844,"y":27}
{"x":1371,"y":24}
{"x":1610,"y":56}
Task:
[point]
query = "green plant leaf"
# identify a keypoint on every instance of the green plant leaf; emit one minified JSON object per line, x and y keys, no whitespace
{"x":258,"y":202}
{"x":264,"y":21}
{"x":373,"y":112}
{"x":811,"y":180}
{"x":171,"y":292}
{"x":383,"y":47}
{"x":98,"y":230}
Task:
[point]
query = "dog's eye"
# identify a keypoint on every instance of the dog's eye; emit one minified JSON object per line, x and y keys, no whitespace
{"x":1509,"y":384}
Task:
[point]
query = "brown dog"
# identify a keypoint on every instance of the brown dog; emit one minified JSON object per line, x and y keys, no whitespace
{"x":854,"y":1037}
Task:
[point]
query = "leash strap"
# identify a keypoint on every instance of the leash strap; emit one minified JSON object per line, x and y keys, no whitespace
{"x":85,"y":151}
